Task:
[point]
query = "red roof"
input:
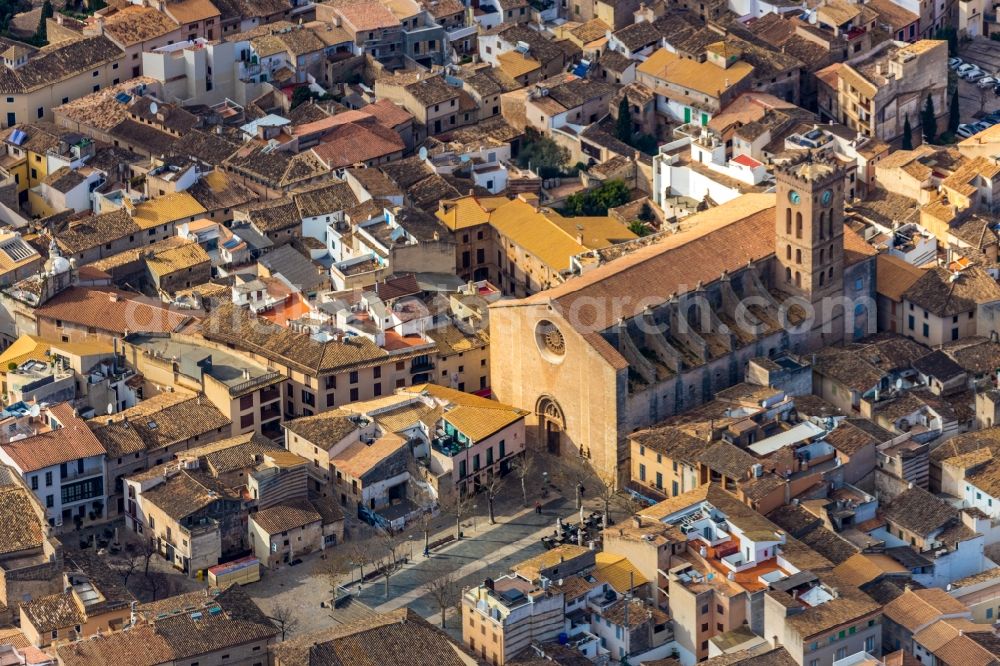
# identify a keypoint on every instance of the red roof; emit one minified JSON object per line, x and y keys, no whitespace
{"x":72,"y":441}
{"x":108,"y":309}
{"x":357,"y":142}
{"x":747,"y":161}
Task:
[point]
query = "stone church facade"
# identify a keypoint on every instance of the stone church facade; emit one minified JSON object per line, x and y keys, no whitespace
{"x":661,"y":329}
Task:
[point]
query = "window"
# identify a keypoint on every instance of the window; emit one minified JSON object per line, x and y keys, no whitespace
{"x":354,"y":377}
{"x":48,"y":479}
{"x":989,"y":613}
{"x":659,"y":481}
{"x":41,"y":112}
{"x":927,"y":330}
{"x":50,"y":501}
{"x":376,"y":372}
{"x":34,"y":482}
{"x":246,"y":420}
{"x":354,"y":394}
{"x":870,"y":643}
{"x":642,"y":472}
{"x":909,"y":322}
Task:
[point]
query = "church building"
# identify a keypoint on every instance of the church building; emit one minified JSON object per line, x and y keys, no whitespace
{"x":661,"y":328}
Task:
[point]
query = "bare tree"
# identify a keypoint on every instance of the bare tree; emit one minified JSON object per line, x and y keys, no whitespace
{"x":424,"y":523}
{"x":608,"y":491}
{"x":458,"y":505}
{"x":492,"y":487}
{"x":387,"y":556}
{"x":126,"y":562}
{"x":339,"y":562}
{"x":984,"y":97}
{"x":284,"y":619}
{"x":522,"y":467}
{"x":444,"y":590}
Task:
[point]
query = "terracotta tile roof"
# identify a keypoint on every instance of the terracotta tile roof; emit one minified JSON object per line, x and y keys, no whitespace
{"x":917,"y":608}
{"x":277,"y":168}
{"x":58,"y":62}
{"x":324,"y":429}
{"x":107,"y":309}
{"x":286,"y":516}
{"x":20,"y":528}
{"x":140,"y":646}
{"x":896,"y":16}
{"x":298,"y":350}
{"x":850,"y":439}
{"x":97,"y":230}
{"x":218,"y":190}
{"x":274,"y":215}
{"x":938,"y":293}
{"x":182,"y":257}
{"x":919,"y":511}
{"x":400,"y":637}
{"x":358,"y":459}
{"x":72,"y":441}
{"x":935,"y":636}
{"x":365,"y":15}
{"x":475,"y":417}
{"x":894,"y":276}
{"x":191,"y":11}
{"x":234,"y":453}
{"x":207,"y":147}
{"x":25,"y":348}
{"x":134,"y":24}
{"x":168,"y":208}
{"x":728,"y":237}
{"x":703,"y":77}
{"x":356,"y":143}
{"x":100,"y":109}
{"x":55,"y":611}
{"x":164,"y":419}
{"x":980,"y":648}
{"x":865,"y":567}
{"x":325,"y":199}
{"x":179,"y":637}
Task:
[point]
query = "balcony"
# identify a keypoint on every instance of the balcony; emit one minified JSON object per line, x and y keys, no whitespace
{"x":270,"y":412}
{"x":421,"y":365}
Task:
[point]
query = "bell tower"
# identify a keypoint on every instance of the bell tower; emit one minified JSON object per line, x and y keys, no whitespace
{"x":809,"y":229}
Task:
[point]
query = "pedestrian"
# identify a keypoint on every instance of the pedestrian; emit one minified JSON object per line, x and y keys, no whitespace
{"x":538,"y":507}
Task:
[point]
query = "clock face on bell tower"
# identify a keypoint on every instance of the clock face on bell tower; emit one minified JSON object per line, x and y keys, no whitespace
{"x":809,"y":228}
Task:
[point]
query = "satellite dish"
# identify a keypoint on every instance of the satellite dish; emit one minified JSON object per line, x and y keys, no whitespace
{"x":34,"y":411}
{"x":422,"y":153}
{"x":153,"y":108}
{"x":111,"y":408}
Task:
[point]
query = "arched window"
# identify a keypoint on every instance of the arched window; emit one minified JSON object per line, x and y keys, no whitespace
{"x":829,"y":225}
{"x":798,"y":256}
{"x":830,"y":273}
{"x":788,"y":221}
{"x":822,"y":224}
{"x":788,"y":275}
{"x":798,"y":279}
{"x":822,"y":255}
{"x":798,"y":225}
{"x":821,"y":279}
{"x":788,"y":252}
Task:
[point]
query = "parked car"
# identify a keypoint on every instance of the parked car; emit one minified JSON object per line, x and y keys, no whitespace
{"x":954,"y":62}
{"x":987,"y":82}
{"x":964,"y":131}
{"x":995,"y":117}
{"x":965,"y":67}
{"x":980,"y":126}
{"x":971,"y":75}
{"x":996,"y":90}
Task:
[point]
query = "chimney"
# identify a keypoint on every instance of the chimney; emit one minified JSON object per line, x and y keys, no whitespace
{"x":775,"y":642}
{"x":638,"y":521}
